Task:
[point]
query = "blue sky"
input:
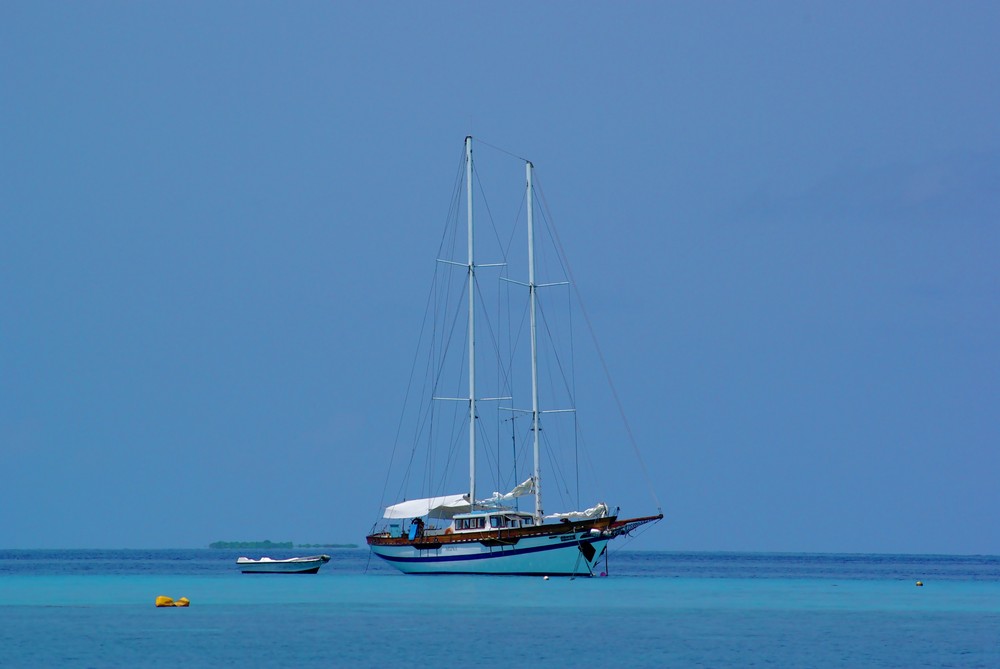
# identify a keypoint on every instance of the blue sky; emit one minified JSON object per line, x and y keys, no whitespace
{"x":216,"y":223}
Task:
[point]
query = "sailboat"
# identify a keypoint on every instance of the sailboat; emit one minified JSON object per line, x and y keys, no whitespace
{"x":460,"y":534}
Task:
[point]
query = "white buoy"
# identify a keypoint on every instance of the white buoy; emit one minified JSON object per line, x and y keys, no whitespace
{"x":545,"y":578}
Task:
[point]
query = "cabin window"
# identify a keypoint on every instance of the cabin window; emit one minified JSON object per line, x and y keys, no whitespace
{"x":528,"y":521}
{"x":470,"y":523}
{"x":495,"y":522}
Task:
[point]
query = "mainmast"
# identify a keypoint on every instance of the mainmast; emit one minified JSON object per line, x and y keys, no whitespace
{"x":534,"y":349}
{"x":472,"y":334}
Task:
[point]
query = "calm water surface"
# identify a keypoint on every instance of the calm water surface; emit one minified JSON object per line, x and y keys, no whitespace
{"x":95,"y":609}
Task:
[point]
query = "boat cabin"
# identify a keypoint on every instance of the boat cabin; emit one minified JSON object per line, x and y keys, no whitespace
{"x":491,"y":520}
{"x":477,"y":521}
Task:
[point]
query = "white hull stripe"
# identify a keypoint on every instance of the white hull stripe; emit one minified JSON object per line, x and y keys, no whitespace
{"x":483,"y":556}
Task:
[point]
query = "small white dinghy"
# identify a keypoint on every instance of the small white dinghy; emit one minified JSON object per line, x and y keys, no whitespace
{"x":295,"y":565}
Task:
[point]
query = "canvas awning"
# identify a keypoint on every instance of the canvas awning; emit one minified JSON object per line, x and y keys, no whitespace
{"x":438,"y":507}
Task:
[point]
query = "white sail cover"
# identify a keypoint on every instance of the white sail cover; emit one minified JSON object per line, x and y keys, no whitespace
{"x":526,"y":488}
{"x":439,"y":507}
{"x":599,"y":511}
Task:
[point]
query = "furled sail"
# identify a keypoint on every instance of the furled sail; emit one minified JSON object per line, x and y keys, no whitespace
{"x":438,"y":507}
{"x":526,"y":488}
{"x":599,"y":511}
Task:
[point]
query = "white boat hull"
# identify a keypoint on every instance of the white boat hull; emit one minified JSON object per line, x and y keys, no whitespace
{"x":298,"y":565}
{"x":546,"y":555}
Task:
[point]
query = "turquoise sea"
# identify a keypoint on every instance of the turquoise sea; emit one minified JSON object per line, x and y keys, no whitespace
{"x":94,"y":608}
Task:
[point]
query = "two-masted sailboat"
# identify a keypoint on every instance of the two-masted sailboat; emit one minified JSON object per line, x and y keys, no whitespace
{"x":460,"y":534}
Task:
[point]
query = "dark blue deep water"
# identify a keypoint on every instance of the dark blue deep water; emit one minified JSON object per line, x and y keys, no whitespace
{"x":94,"y":608}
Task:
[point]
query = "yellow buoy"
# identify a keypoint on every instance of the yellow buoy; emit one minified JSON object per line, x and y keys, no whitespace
{"x":183,"y":601}
{"x":920,"y":584}
{"x":164,"y":601}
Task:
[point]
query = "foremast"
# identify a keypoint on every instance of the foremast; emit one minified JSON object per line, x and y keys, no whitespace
{"x":539,"y":513}
{"x":472,"y":329}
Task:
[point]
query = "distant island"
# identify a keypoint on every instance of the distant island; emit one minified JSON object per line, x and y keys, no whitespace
{"x":251,"y":544}
{"x":273,"y":544}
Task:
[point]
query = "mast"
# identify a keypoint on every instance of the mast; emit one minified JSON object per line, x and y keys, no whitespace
{"x":534,"y":349}
{"x":472,"y":333}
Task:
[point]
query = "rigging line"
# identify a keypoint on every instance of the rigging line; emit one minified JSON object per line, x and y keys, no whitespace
{"x":457,"y":427}
{"x":409,"y":386}
{"x":586,"y":450}
{"x":513,"y":448}
{"x":447,"y":344}
{"x":429,"y":413}
{"x":600,"y":355}
{"x":456,"y":440}
{"x":453,"y":207}
{"x":514,"y":228}
{"x":481,"y":429}
{"x":572,"y":369}
{"x":423,"y":425}
{"x":499,"y":369}
{"x":493,"y":337}
{"x":629,"y":537}
{"x":504,"y":301}
{"x":514,"y":341}
{"x":506,"y":390}
{"x":456,"y":198}
{"x":549,"y":226}
{"x":576,"y":457}
{"x":580,"y":441}
{"x":505,"y":292}
{"x":497,"y":148}
{"x":425,"y":413}
{"x":555,"y":354}
{"x":499,"y":443}
{"x":516,"y":338}
{"x":559,"y":479}
{"x":433,"y":379}
{"x":557,"y":426}
{"x":489,"y":212}
{"x":499,"y":423}
{"x":568,"y":375}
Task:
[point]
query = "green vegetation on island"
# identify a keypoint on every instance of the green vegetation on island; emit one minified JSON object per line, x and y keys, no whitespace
{"x":273,"y":544}
{"x":252,"y":544}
